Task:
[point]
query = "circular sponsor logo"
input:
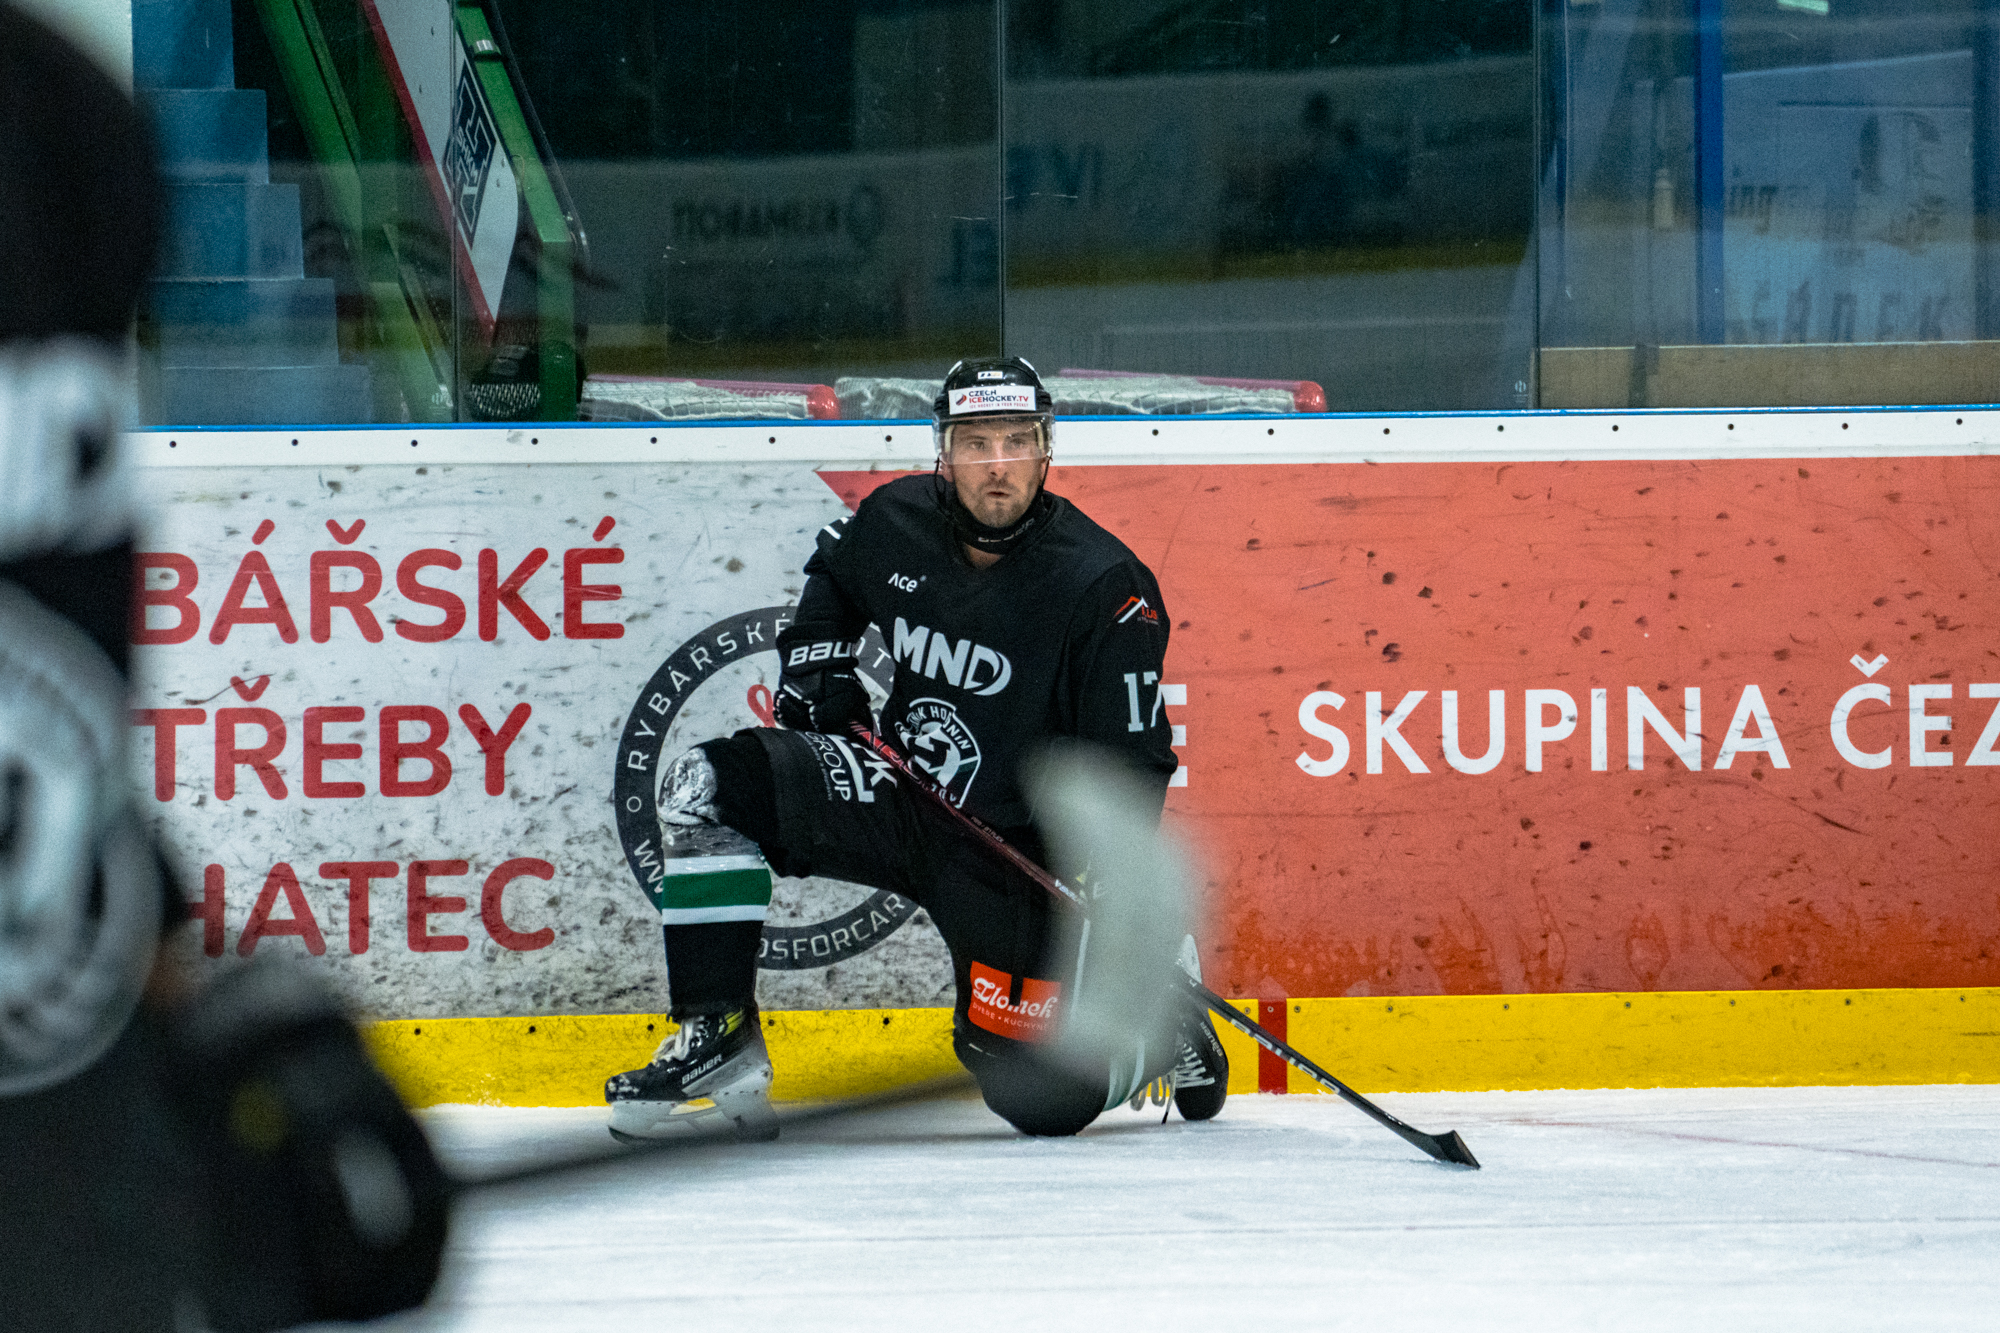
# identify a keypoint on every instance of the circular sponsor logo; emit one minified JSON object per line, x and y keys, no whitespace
{"x":692,"y":685}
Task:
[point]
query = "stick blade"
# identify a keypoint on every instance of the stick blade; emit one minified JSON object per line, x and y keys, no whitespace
{"x":1449,"y":1147}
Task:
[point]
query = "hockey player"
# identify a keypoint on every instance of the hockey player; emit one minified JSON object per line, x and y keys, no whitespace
{"x":1014,"y":622}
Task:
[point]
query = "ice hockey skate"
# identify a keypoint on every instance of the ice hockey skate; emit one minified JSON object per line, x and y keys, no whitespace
{"x":1118,"y":1013}
{"x":713,"y":1070}
{"x":1200,"y":1077}
{"x":1198,"y":1083}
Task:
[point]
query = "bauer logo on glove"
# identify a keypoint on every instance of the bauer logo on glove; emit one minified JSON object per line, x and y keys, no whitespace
{"x":802,"y":654}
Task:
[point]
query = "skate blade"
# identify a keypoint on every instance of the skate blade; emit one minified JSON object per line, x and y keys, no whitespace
{"x":751,"y":1113}
{"x":748,"y":1112}
{"x":663,"y":1120}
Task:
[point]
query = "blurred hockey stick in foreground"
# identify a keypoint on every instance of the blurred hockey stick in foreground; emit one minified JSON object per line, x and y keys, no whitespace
{"x":717,"y":1134}
{"x":1446,"y":1147}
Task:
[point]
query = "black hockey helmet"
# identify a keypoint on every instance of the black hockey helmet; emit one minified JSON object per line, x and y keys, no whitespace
{"x":992,"y":387}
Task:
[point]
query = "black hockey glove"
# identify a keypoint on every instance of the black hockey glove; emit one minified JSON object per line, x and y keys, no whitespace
{"x":325,"y":1198}
{"x":823,"y":701}
{"x":817,"y":687}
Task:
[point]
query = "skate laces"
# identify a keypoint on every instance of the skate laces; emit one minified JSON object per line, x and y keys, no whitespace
{"x":1160,"y":1091}
{"x":1191,"y":1071}
{"x":681,"y":1040}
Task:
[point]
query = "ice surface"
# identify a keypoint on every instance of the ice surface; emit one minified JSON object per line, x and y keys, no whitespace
{"x":1792,"y":1208}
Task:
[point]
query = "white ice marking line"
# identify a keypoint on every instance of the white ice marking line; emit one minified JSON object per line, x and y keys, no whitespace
{"x":1869,"y":668}
{"x":1749,"y":1143}
{"x":1586,"y":1227}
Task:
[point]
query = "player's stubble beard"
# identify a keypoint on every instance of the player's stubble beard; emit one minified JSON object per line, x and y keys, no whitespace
{"x":999,"y":491}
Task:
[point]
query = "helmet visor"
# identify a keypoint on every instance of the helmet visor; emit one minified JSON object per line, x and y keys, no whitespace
{"x":996,"y":439}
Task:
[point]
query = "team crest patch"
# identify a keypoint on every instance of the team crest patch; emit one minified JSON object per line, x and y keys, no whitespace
{"x":938,"y":741}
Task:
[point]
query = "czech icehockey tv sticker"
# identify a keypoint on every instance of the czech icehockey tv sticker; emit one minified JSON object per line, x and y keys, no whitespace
{"x":993,"y":398}
{"x":643,"y":748}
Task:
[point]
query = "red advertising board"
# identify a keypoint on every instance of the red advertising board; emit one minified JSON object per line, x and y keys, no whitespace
{"x":1610,"y":725}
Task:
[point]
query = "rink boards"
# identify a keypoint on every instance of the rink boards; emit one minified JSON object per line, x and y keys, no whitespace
{"x":403,"y":691}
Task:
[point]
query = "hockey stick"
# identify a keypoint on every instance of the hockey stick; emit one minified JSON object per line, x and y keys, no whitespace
{"x":718,"y":1135}
{"x":1446,"y":1147}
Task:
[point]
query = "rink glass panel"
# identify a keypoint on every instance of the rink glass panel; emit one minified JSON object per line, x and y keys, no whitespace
{"x":425,"y":210}
{"x":386,"y":218}
{"x":1784,"y":202}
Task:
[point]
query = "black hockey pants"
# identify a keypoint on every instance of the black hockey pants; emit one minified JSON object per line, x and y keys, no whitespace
{"x":816,"y":805}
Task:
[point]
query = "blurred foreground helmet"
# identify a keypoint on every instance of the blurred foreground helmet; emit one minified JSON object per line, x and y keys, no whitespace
{"x":80,"y":893}
{"x":80,"y":898}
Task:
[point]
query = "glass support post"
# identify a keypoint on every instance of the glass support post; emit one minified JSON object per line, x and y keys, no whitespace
{"x":1710,"y":183}
{"x":1986,"y":169}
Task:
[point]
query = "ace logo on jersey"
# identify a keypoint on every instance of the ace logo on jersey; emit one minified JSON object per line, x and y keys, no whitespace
{"x":938,"y":741}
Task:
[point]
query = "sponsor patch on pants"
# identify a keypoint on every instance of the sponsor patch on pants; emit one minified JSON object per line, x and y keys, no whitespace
{"x":995,"y":1008}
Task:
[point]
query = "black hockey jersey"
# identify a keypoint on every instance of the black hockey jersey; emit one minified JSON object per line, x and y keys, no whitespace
{"x":1065,"y":636}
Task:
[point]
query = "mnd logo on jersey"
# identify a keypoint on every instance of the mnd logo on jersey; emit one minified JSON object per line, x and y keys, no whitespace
{"x":643,"y":750}
{"x":938,"y":741}
{"x":968,"y":665}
